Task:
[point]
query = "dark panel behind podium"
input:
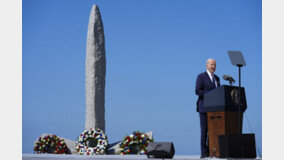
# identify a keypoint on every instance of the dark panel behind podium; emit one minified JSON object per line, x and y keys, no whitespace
{"x":224,"y":98}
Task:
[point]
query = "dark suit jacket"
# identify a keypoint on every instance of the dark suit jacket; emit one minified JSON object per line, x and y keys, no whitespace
{"x":203,"y":85}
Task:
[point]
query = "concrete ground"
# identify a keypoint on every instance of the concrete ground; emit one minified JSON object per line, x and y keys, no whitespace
{"x":111,"y":157}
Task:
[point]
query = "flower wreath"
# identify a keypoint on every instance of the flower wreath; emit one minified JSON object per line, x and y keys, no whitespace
{"x":135,"y":143}
{"x":50,"y":144}
{"x":92,"y":141}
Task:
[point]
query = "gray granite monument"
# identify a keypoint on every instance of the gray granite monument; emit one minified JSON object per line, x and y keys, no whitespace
{"x":95,"y":72}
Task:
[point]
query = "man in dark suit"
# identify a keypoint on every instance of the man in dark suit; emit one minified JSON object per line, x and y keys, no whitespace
{"x":205,"y":82}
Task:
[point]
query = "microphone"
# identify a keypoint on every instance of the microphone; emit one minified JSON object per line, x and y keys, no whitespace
{"x":229,"y":78}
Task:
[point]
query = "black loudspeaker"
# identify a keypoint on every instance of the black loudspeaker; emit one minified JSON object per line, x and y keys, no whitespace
{"x":160,"y":150}
{"x":237,"y":146}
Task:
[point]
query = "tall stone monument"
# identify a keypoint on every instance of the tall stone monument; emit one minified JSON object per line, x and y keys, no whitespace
{"x":95,"y":72}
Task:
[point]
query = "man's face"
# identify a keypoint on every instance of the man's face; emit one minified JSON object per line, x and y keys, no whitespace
{"x":211,"y":66}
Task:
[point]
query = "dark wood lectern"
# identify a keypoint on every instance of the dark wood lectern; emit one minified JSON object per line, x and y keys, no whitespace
{"x":221,"y":105}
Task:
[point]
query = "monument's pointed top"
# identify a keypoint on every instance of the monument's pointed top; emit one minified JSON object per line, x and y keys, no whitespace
{"x":95,"y":8}
{"x":95,"y":16}
{"x":95,"y":12}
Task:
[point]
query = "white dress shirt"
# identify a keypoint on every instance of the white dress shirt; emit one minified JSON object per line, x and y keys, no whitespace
{"x":211,"y":77}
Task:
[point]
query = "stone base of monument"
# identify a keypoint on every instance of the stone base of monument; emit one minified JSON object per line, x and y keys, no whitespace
{"x":110,"y":157}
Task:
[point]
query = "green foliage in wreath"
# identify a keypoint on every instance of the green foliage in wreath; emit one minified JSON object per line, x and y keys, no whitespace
{"x":50,"y":144}
{"x":135,"y":143}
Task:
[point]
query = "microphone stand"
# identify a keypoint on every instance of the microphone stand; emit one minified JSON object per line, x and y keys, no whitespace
{"x":240,"y":101}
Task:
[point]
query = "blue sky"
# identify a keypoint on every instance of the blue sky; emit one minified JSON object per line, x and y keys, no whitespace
{"x":154,"y":50}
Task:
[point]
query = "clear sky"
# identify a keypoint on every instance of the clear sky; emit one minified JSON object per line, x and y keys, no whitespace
{"x":154,"y":50}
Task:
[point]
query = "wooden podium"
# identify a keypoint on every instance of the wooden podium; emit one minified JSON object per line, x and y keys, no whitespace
{"x":221,"y":105}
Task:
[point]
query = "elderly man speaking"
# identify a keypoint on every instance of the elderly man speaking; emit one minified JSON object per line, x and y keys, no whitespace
{"x":205,"y":82}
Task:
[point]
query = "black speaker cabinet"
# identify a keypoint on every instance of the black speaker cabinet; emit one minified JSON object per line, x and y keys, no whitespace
{"x":237,"y":146}
{"x":160,"y":150}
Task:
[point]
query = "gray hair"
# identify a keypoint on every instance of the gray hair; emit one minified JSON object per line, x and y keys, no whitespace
{"x":210,"y":59}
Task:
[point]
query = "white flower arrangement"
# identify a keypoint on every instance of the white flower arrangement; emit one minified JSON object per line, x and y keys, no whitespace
{"x":92,"y":134}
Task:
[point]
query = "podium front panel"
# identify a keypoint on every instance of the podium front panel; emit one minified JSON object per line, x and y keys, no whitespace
{"x":224,"y":98}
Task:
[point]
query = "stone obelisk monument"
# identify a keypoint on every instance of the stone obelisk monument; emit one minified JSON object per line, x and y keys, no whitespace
{"x":95,"y":72}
